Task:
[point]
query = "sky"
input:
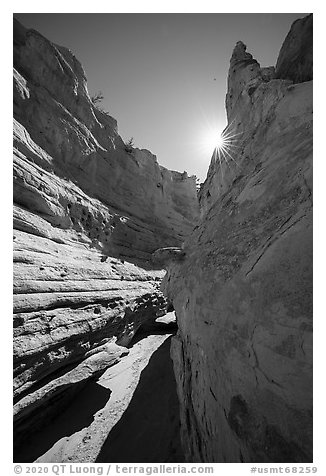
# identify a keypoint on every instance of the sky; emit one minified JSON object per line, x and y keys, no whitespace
{"x":164,"y":76}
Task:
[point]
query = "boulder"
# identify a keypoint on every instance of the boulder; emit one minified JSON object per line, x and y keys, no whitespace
{"x":163,"y":256}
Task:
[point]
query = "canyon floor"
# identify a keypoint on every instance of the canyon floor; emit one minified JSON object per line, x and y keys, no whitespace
{"x":129,"y":414}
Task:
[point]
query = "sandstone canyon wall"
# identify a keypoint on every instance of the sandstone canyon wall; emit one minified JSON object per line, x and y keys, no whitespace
{"x":87,"y":215}
{"x":242,"y":286}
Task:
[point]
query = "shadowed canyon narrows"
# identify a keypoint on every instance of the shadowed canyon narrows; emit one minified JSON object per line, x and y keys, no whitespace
{"x":154,"y":322}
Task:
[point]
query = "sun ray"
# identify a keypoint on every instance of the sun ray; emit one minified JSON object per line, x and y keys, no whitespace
{"x":232,"y":158}
{"x":225,"y":147}
{"x":229,"y":144}
{"x":219,"y":159}
{"x":233,"y":135}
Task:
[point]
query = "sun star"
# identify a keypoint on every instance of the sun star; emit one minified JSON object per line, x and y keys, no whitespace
{"x":226,"y":148}
{"x":214,"y":140}
{"x":223,"y":147}
{"x":220,"y":141}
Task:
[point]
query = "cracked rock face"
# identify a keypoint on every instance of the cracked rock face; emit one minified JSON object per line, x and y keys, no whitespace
{"x":87,"y":215}
{"x":243,"y":292}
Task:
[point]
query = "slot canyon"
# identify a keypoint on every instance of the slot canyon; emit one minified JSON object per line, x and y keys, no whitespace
{"x":156,"y":320}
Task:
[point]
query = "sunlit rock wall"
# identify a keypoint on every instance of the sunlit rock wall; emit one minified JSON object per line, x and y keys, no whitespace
{"x":88,"y":212}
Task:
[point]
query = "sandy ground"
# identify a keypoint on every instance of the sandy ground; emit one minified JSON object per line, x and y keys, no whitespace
{"x":130,"y":414}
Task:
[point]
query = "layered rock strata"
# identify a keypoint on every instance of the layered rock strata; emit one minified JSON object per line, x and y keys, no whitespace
{"x":88,"y":213}
{"x":243,"y":288}
{"x":71,"y":144}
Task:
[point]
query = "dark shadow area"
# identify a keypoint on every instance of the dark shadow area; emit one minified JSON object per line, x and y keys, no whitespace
{"x":153,"y":328}
{"x":149,"y":430}
{"x":59,"y":372}
{"x":77,"y":415}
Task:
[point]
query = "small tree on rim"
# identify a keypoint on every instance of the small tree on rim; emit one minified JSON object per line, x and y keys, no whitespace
{"x":97,"y":97}
{"x":129,"y":144}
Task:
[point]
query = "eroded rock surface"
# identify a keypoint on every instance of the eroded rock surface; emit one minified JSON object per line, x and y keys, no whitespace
{"x":243,"y":292}
{"x":68,"y":153}
{"x":88,"y":213}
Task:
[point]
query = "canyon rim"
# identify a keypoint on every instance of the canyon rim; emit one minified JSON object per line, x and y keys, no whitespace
{"x":156,"y":320}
